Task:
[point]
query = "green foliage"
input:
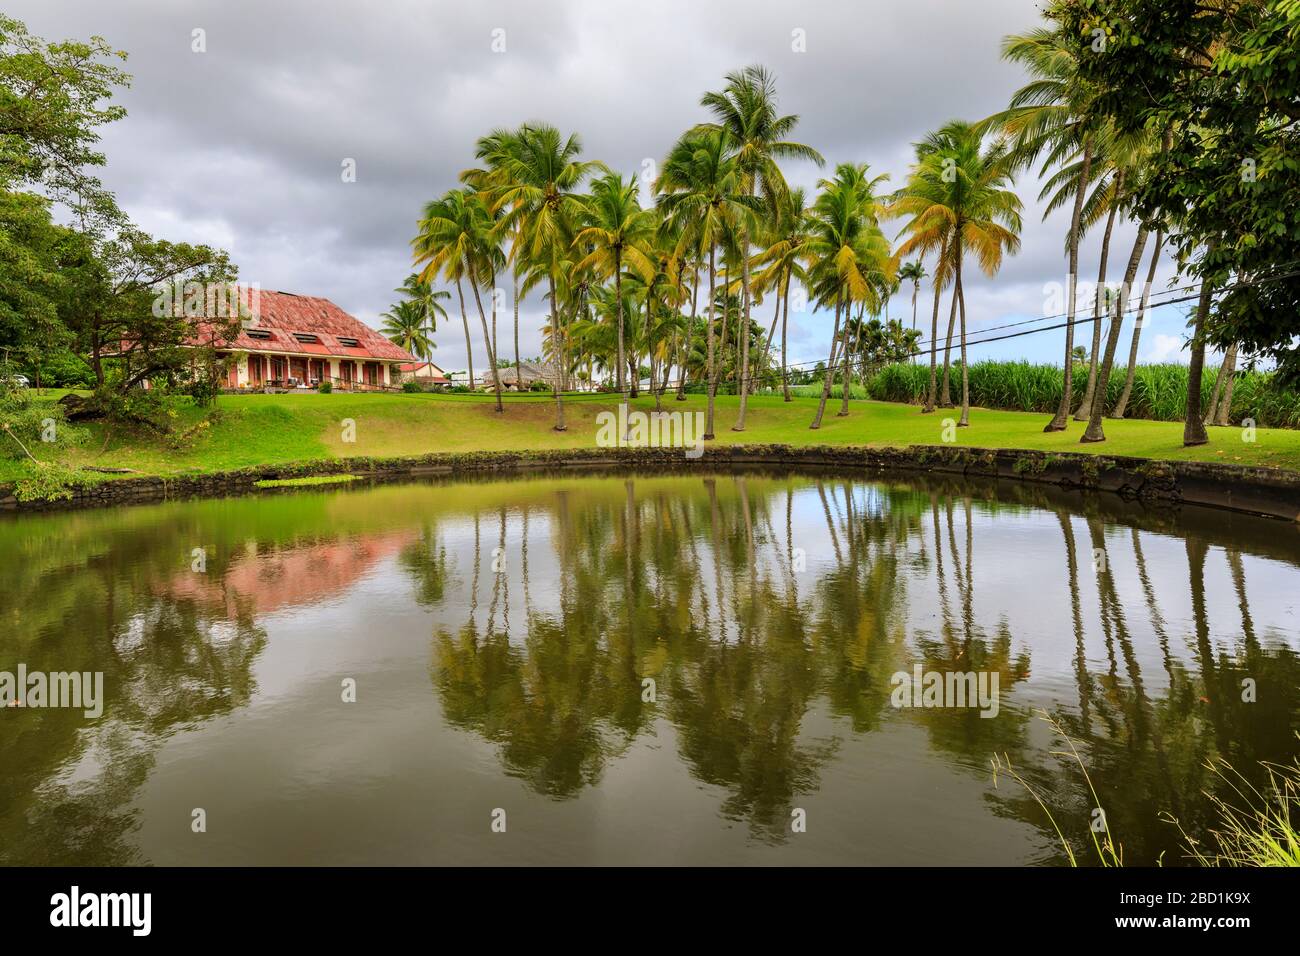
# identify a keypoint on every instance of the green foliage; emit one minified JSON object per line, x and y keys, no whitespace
{"x":1221,"y":80}
{"x":325,"y":386}
{"x":1159,"y":391}
{"x":412,"y":388}
{"x":50,"y":481}
{"x":26,"y":426}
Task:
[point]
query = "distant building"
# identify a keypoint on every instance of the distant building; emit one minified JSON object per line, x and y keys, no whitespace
{"x":528,"y":373}
{"x":426,"y":373}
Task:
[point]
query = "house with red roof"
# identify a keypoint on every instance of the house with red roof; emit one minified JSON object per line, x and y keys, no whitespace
{"x":426,"y":373}
{"x":290,"y":341}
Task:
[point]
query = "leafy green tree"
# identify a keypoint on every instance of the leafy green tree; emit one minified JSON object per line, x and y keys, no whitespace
{"x":1221,"y":80}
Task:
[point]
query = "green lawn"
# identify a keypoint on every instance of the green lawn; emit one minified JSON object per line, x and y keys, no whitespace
{"x":270,"y":429}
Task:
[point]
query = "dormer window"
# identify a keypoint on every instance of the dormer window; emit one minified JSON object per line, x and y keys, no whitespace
{"x":306,"y":337}
{"x":347,"y":342}
{"x":257,"y":333}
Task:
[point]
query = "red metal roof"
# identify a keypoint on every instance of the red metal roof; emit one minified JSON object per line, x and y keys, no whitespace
{"x":282,"y":313}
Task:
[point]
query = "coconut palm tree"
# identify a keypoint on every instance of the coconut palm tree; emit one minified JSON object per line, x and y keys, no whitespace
{"x":758,"y":136}
{"x":962,"y":202}
{"x":1050,"y":117}
{"x":533,"y":177}
{"x":791,"y":225}
{"x":404,"y":325}
{"x":700,"y":186}
{"x":451,"y":238}
{"x":427,"y":297}
{"x":850,"y":256}
{"x":618,"y":233}
{"x":913,"y":272}
{"x":923,"y":199}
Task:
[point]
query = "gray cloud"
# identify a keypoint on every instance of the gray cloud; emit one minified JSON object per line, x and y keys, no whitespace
{"x":242,"y":145}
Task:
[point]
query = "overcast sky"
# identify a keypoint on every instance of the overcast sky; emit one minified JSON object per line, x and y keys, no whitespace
{"x":242,"y":145}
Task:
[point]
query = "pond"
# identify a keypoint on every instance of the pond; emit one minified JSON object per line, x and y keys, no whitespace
{"x":688,"y":667}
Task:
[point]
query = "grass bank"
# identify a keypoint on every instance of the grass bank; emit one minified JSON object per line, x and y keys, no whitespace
{"x":247,"y":430}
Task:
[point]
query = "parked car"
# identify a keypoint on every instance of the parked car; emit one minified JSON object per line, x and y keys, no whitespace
{"x":21,"y":381}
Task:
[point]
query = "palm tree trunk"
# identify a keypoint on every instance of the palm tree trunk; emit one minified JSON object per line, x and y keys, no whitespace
{"x":1084,"y":411}
{"x":916,"y":287}
{"x":1194,"y":432}
{"x":519,"y":387}
{"x":487,"y":338}
{"x":1094,"y":432}
{"x":618,"y":299}
{"x":557,"y":357}
{"x":1226,"y":371}
{"x":964,"y":421}
{"x":709,"y":371}
{"x":690,"y":326}
{"x":785,"y":322}
{"x":469,"y":347}
{"x":830,"y":368}
{"x":743,"y":330}
{"x":945,"y":396}
{"x":934,"y":350}
{"x":1122,"y":405}
{"x":1061,"y":419}
{"x":1224,"y":416}
{"x":771,"y":334}
{"x":851,"y":342}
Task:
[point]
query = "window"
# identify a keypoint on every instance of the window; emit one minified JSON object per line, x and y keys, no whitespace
{"x":306,"y":337}
{"x":257,"y":333}
{"x":348,"y":342}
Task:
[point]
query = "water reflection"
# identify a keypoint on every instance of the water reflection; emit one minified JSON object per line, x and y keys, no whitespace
{"x":747,"y":624}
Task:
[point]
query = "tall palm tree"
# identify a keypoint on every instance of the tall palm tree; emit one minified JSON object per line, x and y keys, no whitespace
{"x":964,"y":199}
{"x":700,"y":186}
{"x":1051,"y":116}
{"x":618,"y":233}
{"x":450,"y":239}
{"x":913,"y":272}
{"x":791,"y":225}
{"x":534,"y":175}
{"x":746,"y":110}
{"x":850,"y":253}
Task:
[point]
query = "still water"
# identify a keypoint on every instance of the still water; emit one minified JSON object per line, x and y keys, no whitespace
{"x":639,"y":669}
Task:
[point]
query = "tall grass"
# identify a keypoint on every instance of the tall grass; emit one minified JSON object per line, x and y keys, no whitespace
{"x":1159,"y":391}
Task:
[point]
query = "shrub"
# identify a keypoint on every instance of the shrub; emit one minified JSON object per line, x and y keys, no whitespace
{"x":539,"y":386}
{"x":412,"y":388}
{"x":325,"y":386}
{"x":26,"y":425}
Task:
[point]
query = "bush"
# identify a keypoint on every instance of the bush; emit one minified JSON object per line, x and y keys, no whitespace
{"x":412,"y":388}
{"x":325,"y":386}
{"x":49,"y":481}
{"x":539,"y":386}
{"x":26,"y":424}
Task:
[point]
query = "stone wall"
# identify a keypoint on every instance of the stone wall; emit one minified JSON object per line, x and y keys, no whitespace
{"x":1263,"y":491}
